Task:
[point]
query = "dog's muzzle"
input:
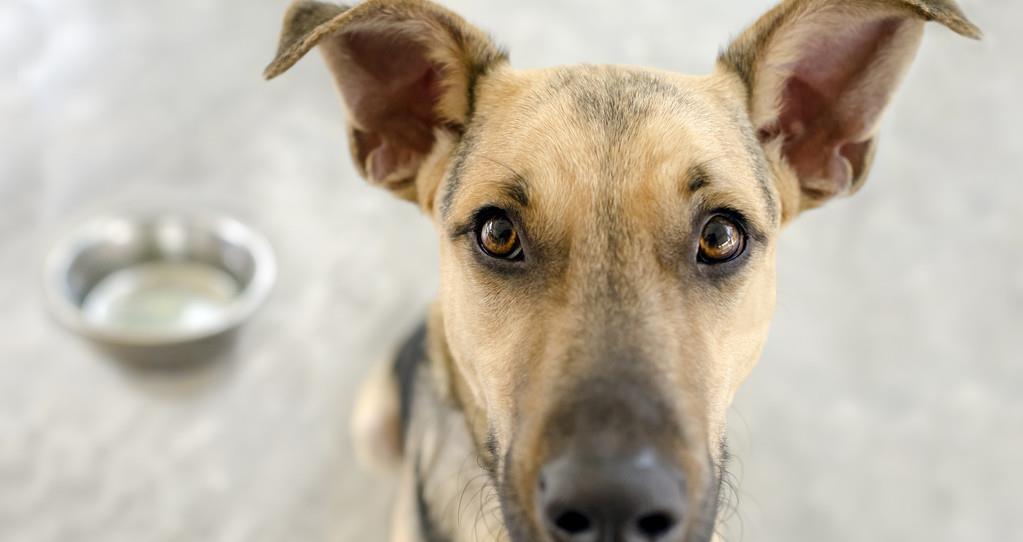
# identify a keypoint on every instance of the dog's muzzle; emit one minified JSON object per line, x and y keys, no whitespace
{"x":610,"y":470}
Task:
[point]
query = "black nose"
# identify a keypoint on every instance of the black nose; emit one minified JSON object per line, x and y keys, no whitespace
{"x":638,"y":498}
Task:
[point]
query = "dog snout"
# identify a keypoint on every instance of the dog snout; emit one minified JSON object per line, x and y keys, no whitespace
{"x":586,"y":497}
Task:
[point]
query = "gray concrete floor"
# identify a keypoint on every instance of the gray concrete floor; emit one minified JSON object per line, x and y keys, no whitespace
{"x":888,"y":405}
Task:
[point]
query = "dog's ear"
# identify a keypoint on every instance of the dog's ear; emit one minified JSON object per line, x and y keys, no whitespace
{"x":406,"y":70}
{"x":819,"y":73}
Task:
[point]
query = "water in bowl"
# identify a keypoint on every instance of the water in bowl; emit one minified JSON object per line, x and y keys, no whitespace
{"x":161,"y":297}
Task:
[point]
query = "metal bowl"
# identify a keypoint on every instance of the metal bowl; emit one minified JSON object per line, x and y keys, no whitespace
{"x":158,"y":285}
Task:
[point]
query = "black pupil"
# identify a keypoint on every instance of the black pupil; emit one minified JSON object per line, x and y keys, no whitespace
{"x":499,"y":233}
{"x":718,"y":234}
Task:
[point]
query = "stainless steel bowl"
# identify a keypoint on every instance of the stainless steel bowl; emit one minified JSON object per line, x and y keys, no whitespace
{"x":158,"y":286}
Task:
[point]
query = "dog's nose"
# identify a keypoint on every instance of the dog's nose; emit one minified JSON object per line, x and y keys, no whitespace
{"x":638,"y":498}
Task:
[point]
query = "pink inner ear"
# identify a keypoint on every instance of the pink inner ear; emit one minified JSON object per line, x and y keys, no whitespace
{"x":834,"y":94}
{"x":391,"y":91}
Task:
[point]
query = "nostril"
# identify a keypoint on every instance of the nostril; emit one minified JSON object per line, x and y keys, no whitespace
{"x":573,"y":523}
{"x":655,"y":525}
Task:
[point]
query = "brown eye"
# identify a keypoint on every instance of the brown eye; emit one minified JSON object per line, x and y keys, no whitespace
{"x":498,"y":238}
{"x":722,"y":240}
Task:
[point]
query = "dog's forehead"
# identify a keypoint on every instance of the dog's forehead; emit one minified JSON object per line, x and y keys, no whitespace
{"x":560,"y":134}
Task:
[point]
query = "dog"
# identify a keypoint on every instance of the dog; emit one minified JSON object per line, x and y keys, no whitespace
{"x":607,"y":248}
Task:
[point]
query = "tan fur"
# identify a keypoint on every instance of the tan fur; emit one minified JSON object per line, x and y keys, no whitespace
{"x":375,"y":427}
{"x":606,"y":154}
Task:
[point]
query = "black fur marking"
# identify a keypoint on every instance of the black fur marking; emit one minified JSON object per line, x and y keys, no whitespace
{"x":698,"y":179}
{"x":406,"y":367}
{"x":488,"y":461}
{"x":476,"y":72}
{"x":761,"y":170}
{"x":617,"y":100}
{"x":427,"y":528}
{"x":484,"y":55}
{"x":454,"y":179}
{"x":517,"y":190}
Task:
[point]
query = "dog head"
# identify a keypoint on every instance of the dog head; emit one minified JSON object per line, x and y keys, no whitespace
{"x":608,"y":234}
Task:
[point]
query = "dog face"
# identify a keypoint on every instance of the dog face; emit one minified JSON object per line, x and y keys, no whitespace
{"x":608,"y":234}
{"x":603,"y":232}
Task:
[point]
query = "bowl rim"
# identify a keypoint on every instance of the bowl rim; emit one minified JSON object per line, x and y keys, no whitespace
{"x":63,"y":251}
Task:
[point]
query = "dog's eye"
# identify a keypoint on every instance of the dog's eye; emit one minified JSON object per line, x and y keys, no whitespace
{"x":722,"y":240}
{"x":497,"y":237}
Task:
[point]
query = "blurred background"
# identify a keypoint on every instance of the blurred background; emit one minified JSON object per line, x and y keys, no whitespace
{"x":887,"y":406}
